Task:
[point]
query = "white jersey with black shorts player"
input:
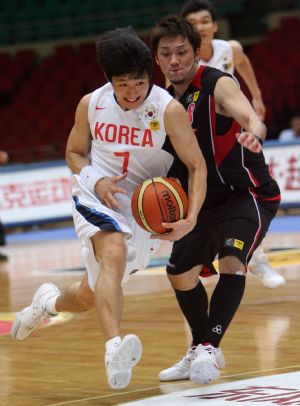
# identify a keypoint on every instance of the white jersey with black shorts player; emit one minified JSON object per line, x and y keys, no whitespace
{"x":222,"y":56}
{"x":122,"y":141}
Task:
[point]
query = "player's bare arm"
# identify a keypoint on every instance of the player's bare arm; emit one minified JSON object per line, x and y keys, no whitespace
{"x":231,"y":102}
{"x":77,"y":149}
{"x":245,"y":70}
{"x":79,"y":139}
{"x":186,"y":146}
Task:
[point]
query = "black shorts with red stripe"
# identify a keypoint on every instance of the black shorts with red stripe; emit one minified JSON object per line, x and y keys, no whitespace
{"x":229,"y":224}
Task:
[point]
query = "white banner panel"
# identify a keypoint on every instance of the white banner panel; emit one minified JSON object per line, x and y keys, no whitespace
{"x":37,"y":193}
{"x":284,"y":164}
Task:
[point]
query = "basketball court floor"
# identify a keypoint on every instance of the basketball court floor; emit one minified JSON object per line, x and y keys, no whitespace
{"x":62,"y":363}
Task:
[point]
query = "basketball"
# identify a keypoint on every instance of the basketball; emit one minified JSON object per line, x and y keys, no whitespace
{"x":158,"y":200}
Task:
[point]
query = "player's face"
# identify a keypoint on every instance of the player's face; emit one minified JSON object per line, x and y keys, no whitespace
{"x":176,"y":58}
{"x":203,"y":23}
{"x":130,"y":92}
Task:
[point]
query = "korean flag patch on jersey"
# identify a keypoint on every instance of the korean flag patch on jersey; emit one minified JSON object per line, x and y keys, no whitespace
{"x":149,"y":113}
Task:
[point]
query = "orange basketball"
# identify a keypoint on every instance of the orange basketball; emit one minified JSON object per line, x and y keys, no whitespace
{"x":158,"y":200}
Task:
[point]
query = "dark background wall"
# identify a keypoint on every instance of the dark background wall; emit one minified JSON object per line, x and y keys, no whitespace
{"x":48,"y":62}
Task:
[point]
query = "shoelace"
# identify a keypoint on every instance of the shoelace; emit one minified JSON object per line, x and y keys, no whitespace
{"x":189,"y":357}
{"x":208,"y":348}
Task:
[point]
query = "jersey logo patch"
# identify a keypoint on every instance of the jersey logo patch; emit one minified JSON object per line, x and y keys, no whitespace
{"x":192,"y":97}
{"x":154,"y":125}
{"x":195,"y":96}
{"x":233,"y":242}
{"x":227,"y":66}
{"x":189,"y":98}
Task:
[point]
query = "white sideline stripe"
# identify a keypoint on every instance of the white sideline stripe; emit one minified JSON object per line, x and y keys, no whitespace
{"x":266,"y":390}
{"x":166,"y":385}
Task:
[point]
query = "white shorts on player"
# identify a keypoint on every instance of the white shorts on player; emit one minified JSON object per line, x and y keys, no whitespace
{"x":91,"y":216}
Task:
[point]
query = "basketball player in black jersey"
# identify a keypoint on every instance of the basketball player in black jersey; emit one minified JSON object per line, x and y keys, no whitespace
{"x":241,"y":199}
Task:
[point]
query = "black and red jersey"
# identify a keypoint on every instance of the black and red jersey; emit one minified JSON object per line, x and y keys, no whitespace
{"x":230,"y":166}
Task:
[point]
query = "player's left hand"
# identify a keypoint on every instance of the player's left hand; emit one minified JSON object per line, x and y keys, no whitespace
{"x":249,"y":141}
{"x":178,"y":229}
{"x":107,"y":187}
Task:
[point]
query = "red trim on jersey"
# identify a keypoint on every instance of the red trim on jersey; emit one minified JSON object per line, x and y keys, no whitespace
{"x":265,"y":199}
{"x":259,"y":228}
{"x":206,"y":272}
{"x":272,"y":199}
{"x":224,"y":143}
{"x":197,"y":78}
{"x":252,"y":177}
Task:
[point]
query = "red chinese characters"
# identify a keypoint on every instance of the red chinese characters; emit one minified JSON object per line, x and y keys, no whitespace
{"x":33,"y":194}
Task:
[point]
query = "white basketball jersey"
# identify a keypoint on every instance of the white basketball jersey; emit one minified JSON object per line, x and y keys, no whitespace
{"x":222,"y":56}
{"x":129,"y":140}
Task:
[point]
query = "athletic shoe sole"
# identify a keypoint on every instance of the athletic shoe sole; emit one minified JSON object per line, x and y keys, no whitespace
{"x":126,"y":356}
{"x":16,"y":325}
{"x":174,"y":376}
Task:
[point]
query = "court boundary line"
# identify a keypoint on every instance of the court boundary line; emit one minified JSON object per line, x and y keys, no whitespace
{"x":158,"y":387}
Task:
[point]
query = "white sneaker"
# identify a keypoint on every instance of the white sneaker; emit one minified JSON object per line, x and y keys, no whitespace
{"x":121,"y":360}
{"x":31,"y":317}
{"x":207,"y":364}
{"x":260,"y":267}
{"x":182,"y":369}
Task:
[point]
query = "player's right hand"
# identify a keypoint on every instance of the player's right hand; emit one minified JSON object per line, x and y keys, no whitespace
{"x":106,"y":188}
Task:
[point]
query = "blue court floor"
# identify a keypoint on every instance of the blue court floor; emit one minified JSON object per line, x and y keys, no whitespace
{"x":282,"y":224}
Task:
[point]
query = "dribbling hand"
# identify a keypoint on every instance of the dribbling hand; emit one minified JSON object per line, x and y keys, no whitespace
{"x":106,"y":188}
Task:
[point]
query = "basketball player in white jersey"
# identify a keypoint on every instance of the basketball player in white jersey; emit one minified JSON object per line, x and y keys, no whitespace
{"x":229,"y":56}
{"x":115,"y":144}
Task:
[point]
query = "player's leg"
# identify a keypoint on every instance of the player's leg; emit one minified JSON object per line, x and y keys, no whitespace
{"x":238,"y":229}
{"x":75,"y":298}
{"x":3,"y":257}
{"x":105,"y":255}
{"x":243,"y":223}
{"x":260,"y":267}
{"x":110,"y":252}
{"x":191,"y":295}
{"x":47,"y":302}
{"x":121,"y":354}
{"x":225,"y":301}
{"x":268,"y":200}
{"x":193,"y":302}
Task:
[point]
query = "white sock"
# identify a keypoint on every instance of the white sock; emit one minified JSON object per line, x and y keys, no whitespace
{"x":50,"y":305}
{"x":111,"y":344}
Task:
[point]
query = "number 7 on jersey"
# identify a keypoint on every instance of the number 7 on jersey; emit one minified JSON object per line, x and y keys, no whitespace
{"x":125,"y":156}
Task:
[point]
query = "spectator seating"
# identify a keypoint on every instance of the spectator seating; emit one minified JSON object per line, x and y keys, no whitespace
{"x":23,"y":21}
{"x":38,"y":97}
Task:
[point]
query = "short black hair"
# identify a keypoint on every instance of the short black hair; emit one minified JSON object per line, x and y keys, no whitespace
{"x":122,"y":52}
{"x":192,"y":6}
{"x":172,"y":26}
